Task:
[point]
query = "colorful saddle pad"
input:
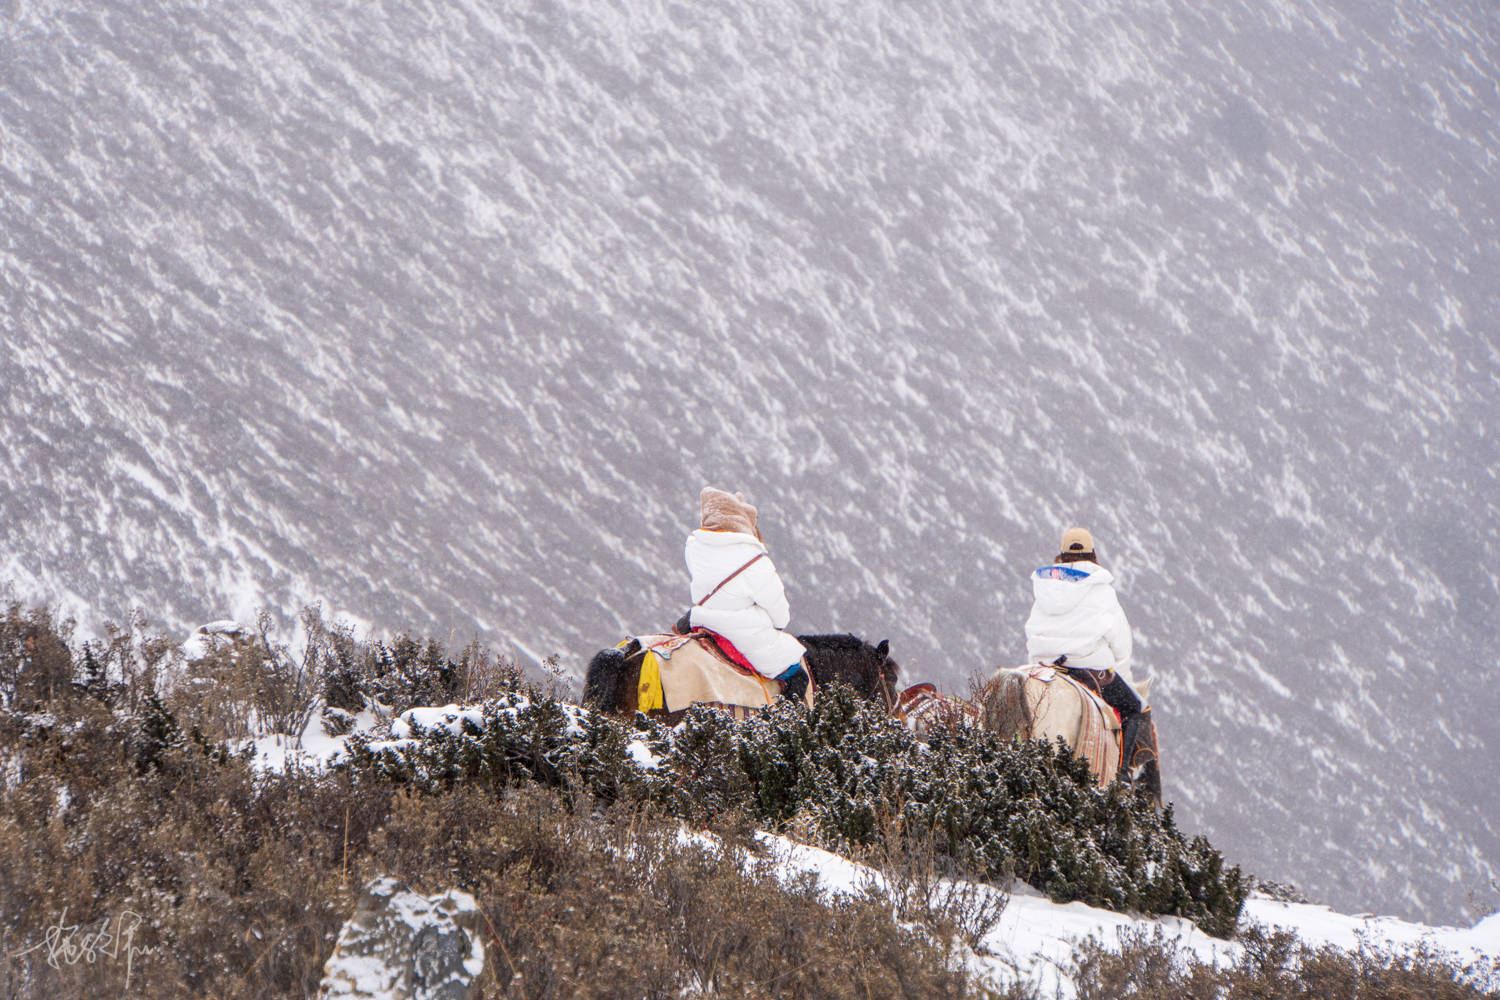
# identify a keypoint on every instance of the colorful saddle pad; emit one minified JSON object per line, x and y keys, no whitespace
{"x":688,"y":673}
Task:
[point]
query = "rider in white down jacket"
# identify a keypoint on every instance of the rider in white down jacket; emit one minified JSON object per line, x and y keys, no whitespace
{"x":750,"y":610}
{"x":1077,"y":615}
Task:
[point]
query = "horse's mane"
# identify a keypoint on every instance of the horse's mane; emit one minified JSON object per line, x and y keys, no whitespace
{"x":846,"y":657}
{"x":840,"y":640}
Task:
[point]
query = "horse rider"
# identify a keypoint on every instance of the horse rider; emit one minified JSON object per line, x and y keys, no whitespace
{"x":1077,"y":623}
{"x":737,"y":593}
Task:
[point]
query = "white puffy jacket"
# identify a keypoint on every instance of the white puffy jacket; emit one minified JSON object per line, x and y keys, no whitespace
{"x":751,"y":610}
{"x":1076,"y":614}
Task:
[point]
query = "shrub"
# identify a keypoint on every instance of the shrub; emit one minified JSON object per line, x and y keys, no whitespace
{"x":403,"y":673}
{"x":241,"y":880}
{"x":850,"y":775}
{"x":36,"y":663}
{"x":116,"y":800}
{"x":1273,"y":965}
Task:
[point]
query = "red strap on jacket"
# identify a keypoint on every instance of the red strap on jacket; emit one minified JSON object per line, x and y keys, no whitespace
{"x":731,"y":576}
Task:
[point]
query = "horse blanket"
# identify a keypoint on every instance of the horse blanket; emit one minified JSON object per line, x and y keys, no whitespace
{"x":1048,"y":674}
{"x":1096,"y":740}
{"x":921,"y":708}
{"x":682,"y":670}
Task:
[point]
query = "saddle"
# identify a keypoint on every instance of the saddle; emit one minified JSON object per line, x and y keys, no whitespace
{"x":1086,"y":682}
{"x":1140,"y":754}
{"x":726,"y":650}
{"x":922,"y":708}
{"x":682,"y":670}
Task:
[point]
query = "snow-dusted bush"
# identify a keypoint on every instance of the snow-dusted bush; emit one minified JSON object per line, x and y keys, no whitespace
{"x":114,"y":805}
{"x":398,"y":673}
{"x":854,"y":778}
{"x":36,"y":665}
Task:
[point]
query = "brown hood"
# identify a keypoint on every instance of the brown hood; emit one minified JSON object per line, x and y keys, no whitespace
{"x":727,"y":512}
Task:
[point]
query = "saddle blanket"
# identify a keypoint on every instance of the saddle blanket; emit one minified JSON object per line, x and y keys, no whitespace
{"x":1098,"y":738}
{"x":1047,"y":675}
{"x":687,"y":674}
{"x":922,"y":709}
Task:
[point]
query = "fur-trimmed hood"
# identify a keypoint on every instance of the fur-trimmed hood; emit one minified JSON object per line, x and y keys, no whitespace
{"x":725,"y":511}
{"x":1061,"y":587}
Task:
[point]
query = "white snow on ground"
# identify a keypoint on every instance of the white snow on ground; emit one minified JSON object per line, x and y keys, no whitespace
{"x":314,"y":748}
{"x":1034,"y":938}
{"x":642,"y":755}
{"x":449,"y":717}
{"x":352,"y":971}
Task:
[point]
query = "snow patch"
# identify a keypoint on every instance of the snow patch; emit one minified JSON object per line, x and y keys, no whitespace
{"x":1033,"y":940}
{"x":414,"y":721}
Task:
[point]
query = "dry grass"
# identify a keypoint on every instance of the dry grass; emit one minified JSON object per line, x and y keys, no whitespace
{"x":1276,"y":966}
{"x":241,"y":882}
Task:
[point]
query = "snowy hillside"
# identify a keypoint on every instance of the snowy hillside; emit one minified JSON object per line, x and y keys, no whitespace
{"x":1028,"y":939}
{"x":1034,"y":938}
{"x":441,"y":313}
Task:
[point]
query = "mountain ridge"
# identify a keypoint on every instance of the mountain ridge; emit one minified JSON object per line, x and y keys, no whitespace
{"x":443,"y":315}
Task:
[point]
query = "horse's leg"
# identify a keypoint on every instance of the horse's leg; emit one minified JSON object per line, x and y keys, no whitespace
{"x":1147,"y":757}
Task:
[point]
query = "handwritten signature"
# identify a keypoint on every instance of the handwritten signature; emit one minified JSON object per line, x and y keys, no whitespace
{"x":69,"y":944}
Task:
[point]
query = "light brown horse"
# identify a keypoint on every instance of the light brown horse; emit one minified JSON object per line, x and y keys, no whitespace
{"x":1041,"y":702}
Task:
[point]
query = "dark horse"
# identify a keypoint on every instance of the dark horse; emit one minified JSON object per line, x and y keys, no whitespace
{"x":614,"y":674}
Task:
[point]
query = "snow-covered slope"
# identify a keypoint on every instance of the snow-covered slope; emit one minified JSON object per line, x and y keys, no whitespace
{"x":442,"y":314}
{"x":1034,"y":938}
{"x":1029,"y":939}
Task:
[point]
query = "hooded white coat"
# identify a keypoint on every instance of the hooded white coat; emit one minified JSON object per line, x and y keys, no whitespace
{"x":750,"y":610}
{"x":1077,"y":614}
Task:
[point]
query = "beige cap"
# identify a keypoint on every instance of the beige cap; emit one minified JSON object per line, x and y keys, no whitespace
{"x":1077,"y":540}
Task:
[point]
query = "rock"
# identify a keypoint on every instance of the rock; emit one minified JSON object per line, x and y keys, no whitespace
{"x":214,"y":636}
{"x":1282,"y":892}
{"x":402,"y":946}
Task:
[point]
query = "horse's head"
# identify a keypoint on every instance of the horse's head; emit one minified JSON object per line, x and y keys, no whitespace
{"x":846,"y":658}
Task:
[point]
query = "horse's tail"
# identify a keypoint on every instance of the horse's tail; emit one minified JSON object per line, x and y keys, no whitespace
{"x":605,"y":678}
{"x":1003,"y":705}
